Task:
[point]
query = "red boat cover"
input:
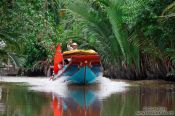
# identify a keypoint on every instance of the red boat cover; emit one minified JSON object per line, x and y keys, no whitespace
{"x":85,"y":59}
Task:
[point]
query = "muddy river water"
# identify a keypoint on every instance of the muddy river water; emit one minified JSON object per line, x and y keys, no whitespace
{"x":37,"y":96}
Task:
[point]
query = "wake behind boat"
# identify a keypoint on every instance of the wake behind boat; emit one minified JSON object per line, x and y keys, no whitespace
{"x":80,"y":66}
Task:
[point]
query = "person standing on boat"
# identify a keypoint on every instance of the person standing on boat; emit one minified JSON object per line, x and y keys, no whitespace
{"x":71,"y":45}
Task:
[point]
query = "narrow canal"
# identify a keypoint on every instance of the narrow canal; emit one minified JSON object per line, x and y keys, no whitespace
{"x":23,"y":96}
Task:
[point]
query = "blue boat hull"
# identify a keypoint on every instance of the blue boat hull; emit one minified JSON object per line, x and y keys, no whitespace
{"x":83,"y":75}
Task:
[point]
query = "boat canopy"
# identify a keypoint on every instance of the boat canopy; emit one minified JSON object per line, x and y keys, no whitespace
{"x":84,"y":56}
{"x":68,"y":54}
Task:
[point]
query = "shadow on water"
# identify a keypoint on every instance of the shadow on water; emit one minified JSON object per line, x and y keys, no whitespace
{"x":106,"y":98}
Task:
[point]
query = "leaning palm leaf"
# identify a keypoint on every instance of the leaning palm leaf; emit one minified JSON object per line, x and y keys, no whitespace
{"x":169,"y":11}
{"x":129,"y":51}
{"x":14,"y":59}
{"x":169,"y":8}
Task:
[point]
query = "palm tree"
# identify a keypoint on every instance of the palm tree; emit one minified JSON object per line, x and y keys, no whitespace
{"x":104,"y":20}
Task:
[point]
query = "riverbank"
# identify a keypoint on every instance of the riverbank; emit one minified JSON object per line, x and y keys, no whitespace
{"x":159,"y":73}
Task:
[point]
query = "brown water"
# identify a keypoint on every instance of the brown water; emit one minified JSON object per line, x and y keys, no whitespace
{"x":39,"y":97}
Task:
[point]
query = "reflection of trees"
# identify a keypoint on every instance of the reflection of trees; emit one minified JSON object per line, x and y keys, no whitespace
{"x":156,"y":97}
{"x":128,"y":103}
{"x":124,"y":104}
{"x":21,"y":102}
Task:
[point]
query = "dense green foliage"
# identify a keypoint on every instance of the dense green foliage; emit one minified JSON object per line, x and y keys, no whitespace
{"x":27,"y":26}
{"x":133,"y":35}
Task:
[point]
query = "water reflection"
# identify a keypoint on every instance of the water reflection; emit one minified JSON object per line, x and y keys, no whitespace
{"x":18,"y":101}
{"x":87,"y":101}
{"x":57,"y":106}
{"x":0,"y":93}
{"x":2,"y":105}
{"x":157,"y":97}
{"x":80,"y":102}
{"x":103,"y":99}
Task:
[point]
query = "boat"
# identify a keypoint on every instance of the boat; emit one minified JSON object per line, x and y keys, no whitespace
{"x":81,"y":66}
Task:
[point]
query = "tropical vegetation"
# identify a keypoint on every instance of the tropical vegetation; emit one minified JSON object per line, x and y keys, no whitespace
{"x":135,"y":38}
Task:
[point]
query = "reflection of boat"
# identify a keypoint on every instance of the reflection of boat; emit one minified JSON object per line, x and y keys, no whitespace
{"x":57,"y":107}
{"x":81,"y":102}
{"x":83,"y":98}
{"x":82,"y":66}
